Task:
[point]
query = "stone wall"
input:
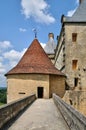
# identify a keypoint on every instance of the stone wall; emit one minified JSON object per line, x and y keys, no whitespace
{"x":60,"y":55}
{"x":75,"y":51}
{"x":22,"y":85}
{"x":74,"y":119}
{"x":57,"y":85}
{"x":51,"y":57}
{"x":67,"y":51}
{"x":9,"y":111}
{"x":76,"y":99}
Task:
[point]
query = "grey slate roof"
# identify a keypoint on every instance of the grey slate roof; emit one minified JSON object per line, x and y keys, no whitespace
{"x":79,"y":15}
{"x":50,"y":46}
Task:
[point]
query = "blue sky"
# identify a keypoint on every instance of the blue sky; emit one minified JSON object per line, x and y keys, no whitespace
{"x":18,"y":18}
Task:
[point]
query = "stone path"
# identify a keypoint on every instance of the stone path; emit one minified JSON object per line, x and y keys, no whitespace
{"x":41,"y":115}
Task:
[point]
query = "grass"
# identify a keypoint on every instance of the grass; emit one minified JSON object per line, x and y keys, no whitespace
{"x":1,"y":104}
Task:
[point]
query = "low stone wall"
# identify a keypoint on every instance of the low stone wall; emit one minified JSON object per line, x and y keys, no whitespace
{"x":8,"y":111}
{"x":74,"y":119}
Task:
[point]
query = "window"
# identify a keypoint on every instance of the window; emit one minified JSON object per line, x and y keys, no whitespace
{"x":74,"y":37}
{"x":74,"y":64}
{"x":71,"y":103}
{"x":21,"y":93}
{"x":75,"y":82}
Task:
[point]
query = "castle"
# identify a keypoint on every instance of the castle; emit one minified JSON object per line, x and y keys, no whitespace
{"x":69,"y":57}
{"x":34,"y":74}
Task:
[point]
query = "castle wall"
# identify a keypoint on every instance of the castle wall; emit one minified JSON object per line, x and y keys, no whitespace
{"x":77,"y":99}
{"x":59,"y":56}
{"x":51,"y":57}
{"x":57,"y":85}
{"x":26,"y":84}
{"x":76,"y":51}
{"x":73,"y":50}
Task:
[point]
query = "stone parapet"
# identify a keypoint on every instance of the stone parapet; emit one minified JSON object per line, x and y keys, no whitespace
{"x":77,"y":99}
{"x":74,"y":119}
{"x":9,"y":111}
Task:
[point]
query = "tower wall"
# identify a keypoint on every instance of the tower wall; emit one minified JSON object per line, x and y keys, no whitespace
{"x":75,"y":50}
{"x":26,"y":84}
{"x":72,"y":50}
{"x":57,"y":85}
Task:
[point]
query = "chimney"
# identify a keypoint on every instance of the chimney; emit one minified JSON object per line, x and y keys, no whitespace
{"x":51,"y":35}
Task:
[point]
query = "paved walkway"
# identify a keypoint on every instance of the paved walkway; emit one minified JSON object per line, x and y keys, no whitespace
{"x":41,"y":115}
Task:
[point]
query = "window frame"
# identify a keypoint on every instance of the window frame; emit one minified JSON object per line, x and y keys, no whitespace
{"x":74,"y":64}
{"x":74,"y":37}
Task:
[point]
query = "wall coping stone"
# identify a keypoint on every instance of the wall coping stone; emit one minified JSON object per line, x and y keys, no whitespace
{"x":11,"y":110}
{"x":74,"y":119}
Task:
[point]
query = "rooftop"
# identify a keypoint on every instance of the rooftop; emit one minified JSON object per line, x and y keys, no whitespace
{"x":35,"y":60}
{"x":79,"y":15}
{"x":50,"y":46}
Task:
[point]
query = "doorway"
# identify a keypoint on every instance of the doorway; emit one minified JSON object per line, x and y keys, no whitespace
{"x":40,"y":92}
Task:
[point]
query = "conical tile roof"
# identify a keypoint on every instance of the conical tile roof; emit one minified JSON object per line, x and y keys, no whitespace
{"x":35,"y":60}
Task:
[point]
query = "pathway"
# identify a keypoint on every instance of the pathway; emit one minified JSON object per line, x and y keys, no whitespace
{"x":41,"y":115}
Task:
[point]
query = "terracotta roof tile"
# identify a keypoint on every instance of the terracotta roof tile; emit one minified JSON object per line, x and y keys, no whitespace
{"x":35,"y":60}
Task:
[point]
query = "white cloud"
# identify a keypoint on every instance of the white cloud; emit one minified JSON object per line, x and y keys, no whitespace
{"x":37,"y":9}
{"x":8,"y":59}
{"x":5,"y":44}
{"x":22,"y":30}
{"x":2,"y":68}
{"x":2,"y":80}
{"x":1,"y":58}
{"x":13,"y":56}
{"x":43,"y":44}
{"x":71,"y":12}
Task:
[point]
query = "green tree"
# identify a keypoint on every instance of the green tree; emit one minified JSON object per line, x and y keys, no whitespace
{"x":3,"y":95}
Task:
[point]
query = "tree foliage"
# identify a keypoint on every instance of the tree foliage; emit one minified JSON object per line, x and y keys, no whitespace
{"x":3,"y":95}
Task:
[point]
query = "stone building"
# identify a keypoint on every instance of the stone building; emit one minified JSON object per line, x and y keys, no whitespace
{"x":70,"y":56}
{"x":34,"y":74}
{"x":50,"y":47}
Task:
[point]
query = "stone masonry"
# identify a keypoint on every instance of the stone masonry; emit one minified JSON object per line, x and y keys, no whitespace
{"x":70,"y":56}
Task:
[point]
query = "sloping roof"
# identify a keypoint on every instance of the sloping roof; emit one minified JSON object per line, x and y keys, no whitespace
{"x":35,"y":60}
{"x":50,"y":46}
{"x":79,"y":15}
